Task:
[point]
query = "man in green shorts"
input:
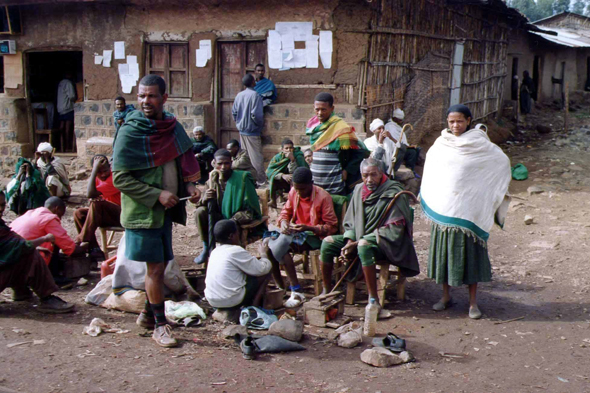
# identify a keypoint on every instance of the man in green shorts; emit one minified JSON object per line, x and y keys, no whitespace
{"x":153,"y":167}
{"x":373,"y":232}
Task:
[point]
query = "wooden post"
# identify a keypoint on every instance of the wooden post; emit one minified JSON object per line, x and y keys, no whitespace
{"x":518,"y":104}
{"x":567,"y":108}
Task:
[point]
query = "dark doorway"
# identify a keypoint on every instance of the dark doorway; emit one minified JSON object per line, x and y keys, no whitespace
{"x":536,"y":76}
{"x":45,"y":71}
{"x":587,"y":86}
{"x":235,"y":60}
{"x":514,"y":85}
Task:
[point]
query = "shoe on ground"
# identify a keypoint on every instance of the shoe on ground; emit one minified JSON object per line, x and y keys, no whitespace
{"x":21,"y":294}
{"x":248,"y":349}
{"x":296,"y":300}
{"x":474,"y":312}
{"x":55,"y":305}
{"x":96,"y":255}
{"x":203,"y":257}
{"x":442,"y":305}
{"x":163,"y":336}
{"x":145,"y":321}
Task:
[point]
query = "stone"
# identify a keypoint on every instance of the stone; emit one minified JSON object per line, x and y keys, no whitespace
{"x":543,"y":129}
{"x":567,"y":175}
{"x":528,"y":220}
{"x":545,"y":245}
{"x":532,"y":190}
{"x":404,"y":175}
{"x":380,"y":357}
{"x":230,"y":331}
{"x":227,"y":315}
{"x":93,"y":108}
{"x":407,"y":357}
{"x":288,"y":329}
{"x":575,"y":168}
{"x":350,"y":339}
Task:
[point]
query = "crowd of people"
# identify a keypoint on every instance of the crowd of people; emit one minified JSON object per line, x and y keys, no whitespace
{"x":156,"y":167}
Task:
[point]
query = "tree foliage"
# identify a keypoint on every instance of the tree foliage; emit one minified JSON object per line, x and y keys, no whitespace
{"x":539,"y":9}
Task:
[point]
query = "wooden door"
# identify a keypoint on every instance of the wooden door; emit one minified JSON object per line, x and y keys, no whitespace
{"x":235,"y":60}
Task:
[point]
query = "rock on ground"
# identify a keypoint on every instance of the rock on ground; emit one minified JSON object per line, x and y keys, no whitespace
{"x":380,"y":357}
{"x":230,"y":316}
{"x":532,"y":190}
{"x":350,"y":339}
{"x":528,"y":220}
{"x":230,"y":331}
{"x":288,"y":329}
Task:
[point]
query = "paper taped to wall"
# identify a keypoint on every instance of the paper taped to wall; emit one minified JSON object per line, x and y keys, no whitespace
{"x":119,"y":50}
{"x":300,"y":31}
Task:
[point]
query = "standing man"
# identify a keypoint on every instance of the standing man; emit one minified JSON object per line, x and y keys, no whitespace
{"x":337,"y":152}
{"x":66,"y":96}
{"x":153,"y":167}
{"x":121,"y":110}
{"x":247,"y":113}
{"x":264,"y":87}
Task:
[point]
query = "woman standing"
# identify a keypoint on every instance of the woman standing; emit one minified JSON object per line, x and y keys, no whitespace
{"x":464,"y":191}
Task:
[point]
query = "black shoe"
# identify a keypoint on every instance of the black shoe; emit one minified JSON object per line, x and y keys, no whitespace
{"x":248,"y":348}
{"x":54,"y":305}
{"x":203,"y":256}
{"x":96,"y":255}
{"x":63,"y":283}
{"x":21,"y":294}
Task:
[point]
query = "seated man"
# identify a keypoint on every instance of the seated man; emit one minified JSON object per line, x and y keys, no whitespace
{"x":264,"y":87}
{"x":44,"y":221}
{"x":22,"y":267}
{"x":374,"y":230}
{"x":381,"y":145}
{"x":53,"y":171}
{"x":281,"y":167}
{"x":240,"y":160}
{"x":307,"y":217}
{"x":408,"y":154}
{"x":203,"y":149}
{"x":27,"y":189}
{"x":232,"y":195}
{"x":308,"y":154}
{"x":234,"y":277}
{"x":122,"y":109}
{"x":104,"y":209}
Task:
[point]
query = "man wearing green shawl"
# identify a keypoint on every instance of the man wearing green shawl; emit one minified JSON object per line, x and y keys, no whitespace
{"x":281,"y":167}
{"x":26,"y":190}
{"x":372,"y":231}
{"x":234,"y":198}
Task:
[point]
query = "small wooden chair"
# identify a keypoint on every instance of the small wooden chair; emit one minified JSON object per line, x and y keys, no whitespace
{"x":384,"y":273}
{"x":107,"y":235}
{"x":46,"y":130}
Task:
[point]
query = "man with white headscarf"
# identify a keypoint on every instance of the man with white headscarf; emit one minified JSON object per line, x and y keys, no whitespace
{"x":53,"y":170}
{"x":408,"y":155}
{"x":380,"y":144}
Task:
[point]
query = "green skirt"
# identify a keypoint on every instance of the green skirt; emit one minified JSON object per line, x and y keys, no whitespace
{"x":457,"y":259}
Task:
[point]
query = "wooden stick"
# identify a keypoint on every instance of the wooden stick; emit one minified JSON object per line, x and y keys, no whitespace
{"x":567,"y":108}
{"x":509,"y":320}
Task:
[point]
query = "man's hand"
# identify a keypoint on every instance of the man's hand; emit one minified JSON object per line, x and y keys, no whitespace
{"x":120,"y":121}
{"x":98,"y":162}
{"x":291,"y":156}
{"x":37,"y":155}
{"x":302,"y":228}
{"x":168,"y":199}
{"x":263,"y":247}
{"x":194,"y":192}
{"x":287,"y":178}
{"x":349,"y":249}
{"x":49,"y":238}
{"x":344,"y":175}
{"x":210,"y":194}
{"x":285,"y":228}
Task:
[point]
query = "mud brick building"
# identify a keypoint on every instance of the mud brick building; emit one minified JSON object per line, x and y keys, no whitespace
{"x":420,"y":55}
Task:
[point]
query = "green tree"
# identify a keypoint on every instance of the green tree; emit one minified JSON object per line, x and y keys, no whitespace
{"x":544,"y":9}
{"x":560,"y":6}
{"x":579,"y":7}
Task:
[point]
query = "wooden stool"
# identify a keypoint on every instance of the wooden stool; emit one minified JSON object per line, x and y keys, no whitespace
{"x":384,"y":274}
{"x":107,"y":239}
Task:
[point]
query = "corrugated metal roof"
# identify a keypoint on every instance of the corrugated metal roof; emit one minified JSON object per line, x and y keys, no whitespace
{"x":566,"y":38}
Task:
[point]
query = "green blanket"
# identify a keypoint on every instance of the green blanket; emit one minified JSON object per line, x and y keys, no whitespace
{"x":280,"y":164}
{"x":240,"y":194}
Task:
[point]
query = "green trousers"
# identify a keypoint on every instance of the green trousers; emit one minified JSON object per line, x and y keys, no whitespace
{"x":368,"y":254}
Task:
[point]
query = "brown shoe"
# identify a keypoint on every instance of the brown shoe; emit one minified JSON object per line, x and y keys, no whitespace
{"x":163,"y":336}
{"x":145,"y":321}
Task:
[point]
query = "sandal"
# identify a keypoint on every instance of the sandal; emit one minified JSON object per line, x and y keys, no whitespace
{"x":440,"y":305}
{"x":296,"y":300}
{"x":391,"y":342}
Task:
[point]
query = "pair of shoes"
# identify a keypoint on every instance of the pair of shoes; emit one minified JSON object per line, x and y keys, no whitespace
{"x":163,"y":336}
{"x":55,"y":305}
{"x":145,"y":321}
{"x":248,"y":348}
{"x":296,"y":300}
{"x":21,"y":294}
{"x":391,"y":342}
{"x":203,"y":256}
{"x":442,"y":305}
{"x":474,"y":312}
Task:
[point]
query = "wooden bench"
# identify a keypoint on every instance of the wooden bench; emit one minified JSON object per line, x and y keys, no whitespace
{"x":384,"y":274}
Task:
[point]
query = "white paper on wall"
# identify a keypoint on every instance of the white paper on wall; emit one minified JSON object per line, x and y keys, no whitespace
{"x":275,"y":59}
{"x":288,"y":60}
{"x":106,"y":58}
{"x":287,"y":42}
{"x":97,"y":59}
{"x":311,"y":54}
{"x":326,"y":48}
{"x":274,"y":41}
{"x":131,"y":59}
{"x":119,"y":50}
{"x":123,"y":69}
{"x":134,"y":70}
{"x":202,"y":57}
{"x":300,"y":31}
{"x":206,"y":44}
{"x":299,"y":58}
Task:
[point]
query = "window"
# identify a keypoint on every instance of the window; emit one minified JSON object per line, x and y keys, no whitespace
{"x":170,"y":61}
{"x":10,"y":22}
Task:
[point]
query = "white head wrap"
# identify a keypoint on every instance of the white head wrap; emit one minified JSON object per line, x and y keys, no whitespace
{"x":398,"y":114}
{"x":44,"y":147}
{"x":376,"y":124}
{"x":198,"y":128}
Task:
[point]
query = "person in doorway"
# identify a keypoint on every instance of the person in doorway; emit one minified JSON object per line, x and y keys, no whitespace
{"x":308,"y":155}
{"x":104,"y":209}
{"x":381,"y":145}
{"x":464,"y":191}
{"x":234,"y":277}
{"x":53,"y":170}
{"x":233,"y":195}
{"x":203,"y":149}
{"x":306,"y":219}
{"x":527,"y":91}
{"x":121,"y":110}
{"x":21,"y":267}
{"x":249,"y":118}
{"x":337,"y":151}
{"x":281,"y":167}
{"x":264,"y":87}
{"x":27,"y":189}
{"x":240,"y":160}
{"x":153,"y":167}
{"x":407,"y":154}
{"x":66,"y":97}
{"x":374,"y":230}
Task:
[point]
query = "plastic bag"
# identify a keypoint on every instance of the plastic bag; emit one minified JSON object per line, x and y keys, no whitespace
{"x":520,"y":172}
{"x":176,"y":312}
{"x":255,"y":318}
{"x":130,"y":301}
{"x":101,"y":292}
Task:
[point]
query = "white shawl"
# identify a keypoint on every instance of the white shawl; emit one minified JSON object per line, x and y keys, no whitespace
{"x":465,"y":183}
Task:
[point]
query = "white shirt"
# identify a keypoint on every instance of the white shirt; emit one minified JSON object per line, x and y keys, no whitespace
{"x":225,"y":284}
{"x":395,"y":130}
{"x":66,"y":96}
{"x":387,"y":145}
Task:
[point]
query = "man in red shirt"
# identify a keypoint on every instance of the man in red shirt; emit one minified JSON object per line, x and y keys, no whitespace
{"x":104,"y":209}
{"x":307,"y":218}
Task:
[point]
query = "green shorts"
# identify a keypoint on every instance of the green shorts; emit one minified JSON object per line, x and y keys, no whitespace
{"x":150,"y":245}
{"x":368,"y":254}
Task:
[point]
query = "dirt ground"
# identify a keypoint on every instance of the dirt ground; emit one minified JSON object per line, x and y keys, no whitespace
{"x":541,"y":279}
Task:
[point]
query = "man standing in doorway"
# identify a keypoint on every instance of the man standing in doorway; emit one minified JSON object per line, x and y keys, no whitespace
{"x":247,"y":113}
{"x":264,"y":87}
{"x":153,"y":167}
{"x":66,"y":96}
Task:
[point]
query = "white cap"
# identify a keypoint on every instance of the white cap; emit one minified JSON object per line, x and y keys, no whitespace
{"x":376,"y":124}
{"x":44,"y":147}
{"x":398,"y":114}
{"x":198,"y":128}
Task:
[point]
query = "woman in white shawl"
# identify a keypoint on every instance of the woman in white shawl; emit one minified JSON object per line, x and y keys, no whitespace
{"x":464,"y":191}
